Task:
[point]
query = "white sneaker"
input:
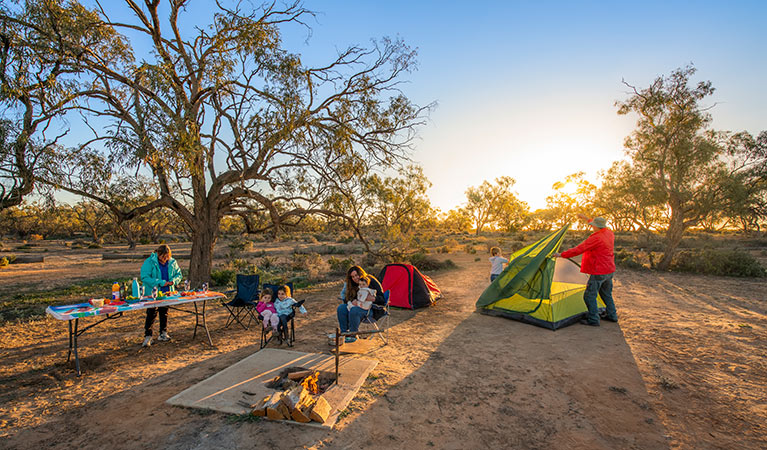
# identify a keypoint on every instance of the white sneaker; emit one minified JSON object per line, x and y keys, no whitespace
{"x":147,"y":341}
{"x":164,"y":337}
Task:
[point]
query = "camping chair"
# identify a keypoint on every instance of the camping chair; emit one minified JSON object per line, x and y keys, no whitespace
{"x":290,"y":334}
{"x":243,"y":305}
{"x":380,"y":316}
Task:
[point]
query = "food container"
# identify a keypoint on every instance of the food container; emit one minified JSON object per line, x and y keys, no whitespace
{"x":96,"y":302}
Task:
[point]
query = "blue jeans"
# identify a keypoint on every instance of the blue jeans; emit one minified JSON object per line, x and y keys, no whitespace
{"x":349,"y":321}
{"x":603,"y":285}
{"x":493,"y":276}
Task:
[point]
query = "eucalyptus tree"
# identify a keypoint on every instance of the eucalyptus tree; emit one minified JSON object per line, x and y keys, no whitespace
{"x":489,"y":203}
{"x":674,"y":157}
{"x":39,"y":84}
{"x":227,"y":120}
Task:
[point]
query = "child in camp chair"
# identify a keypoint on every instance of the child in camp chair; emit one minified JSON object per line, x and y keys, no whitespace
{"x":365,"y":295}
{"x":284,"y":305}
{"x":266,"y":309}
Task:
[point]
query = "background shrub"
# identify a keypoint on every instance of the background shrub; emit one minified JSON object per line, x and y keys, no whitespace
{"x":731,"y":263}
{"x":339,"y":267}
{"x":425,"y":263}
{"x":223,"y":277}
{"x":627,"y":259}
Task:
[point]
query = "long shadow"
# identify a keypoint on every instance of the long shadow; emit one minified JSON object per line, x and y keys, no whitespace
{"x":504,"y":384}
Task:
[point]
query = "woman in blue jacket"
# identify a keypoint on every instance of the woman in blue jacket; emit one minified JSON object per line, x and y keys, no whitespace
{"x":162,"y":271}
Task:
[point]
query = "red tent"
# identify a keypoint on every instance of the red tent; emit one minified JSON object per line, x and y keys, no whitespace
{"x":408,"y":288}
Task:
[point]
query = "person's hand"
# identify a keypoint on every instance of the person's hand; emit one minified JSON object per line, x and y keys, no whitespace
{"x":168,"y":283}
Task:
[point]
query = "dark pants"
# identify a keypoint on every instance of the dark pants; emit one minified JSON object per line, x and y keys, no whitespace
{"x":602,"y":285}
{"x":283,"y":322}
{"x":151,"y":313}
{"x":494,"y":276}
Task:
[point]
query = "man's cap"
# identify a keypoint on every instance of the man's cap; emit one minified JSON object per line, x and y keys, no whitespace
{"x":599,"y":222}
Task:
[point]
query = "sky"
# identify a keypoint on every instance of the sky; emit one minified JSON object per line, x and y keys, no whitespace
{"x":527,"y":89}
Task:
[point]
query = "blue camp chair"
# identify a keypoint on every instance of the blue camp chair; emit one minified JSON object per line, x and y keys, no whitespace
{"x":379,"y":319}
{"x":242,"y":306}
{"x":288,"y":335}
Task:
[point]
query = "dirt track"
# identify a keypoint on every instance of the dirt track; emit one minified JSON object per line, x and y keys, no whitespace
{"x":685,"y":367}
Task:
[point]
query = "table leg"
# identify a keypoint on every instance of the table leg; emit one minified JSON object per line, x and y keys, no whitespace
{"x":77,"y":357}
{"x":69,"y":353}
{"x":204,"y":325}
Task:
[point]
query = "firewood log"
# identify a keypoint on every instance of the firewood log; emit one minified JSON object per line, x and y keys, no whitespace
{"x":273,"y":410}
{"x":303,"y":409}
{"x":260,"y":408}
{"x":299,"y":375}
{"x":321,"y":410}
{"x":293,"y":396}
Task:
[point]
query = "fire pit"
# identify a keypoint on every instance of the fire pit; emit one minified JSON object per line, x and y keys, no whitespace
{"x":298,"y":396}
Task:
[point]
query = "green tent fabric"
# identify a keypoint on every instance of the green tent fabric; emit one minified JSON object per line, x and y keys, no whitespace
{"x":535,"y":287}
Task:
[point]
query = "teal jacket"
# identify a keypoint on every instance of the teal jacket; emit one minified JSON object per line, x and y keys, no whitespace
{"x":151,"y":275}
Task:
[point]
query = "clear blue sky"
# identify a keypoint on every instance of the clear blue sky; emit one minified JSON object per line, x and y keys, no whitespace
{"x":527,"y":88}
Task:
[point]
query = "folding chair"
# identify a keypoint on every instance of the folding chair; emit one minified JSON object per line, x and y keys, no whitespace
{"x":380,"y":316}
{"x":243,"y":305}
{"x":290,"y":334}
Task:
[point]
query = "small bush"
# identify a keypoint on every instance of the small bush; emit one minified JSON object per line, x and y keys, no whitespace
{"x":223,"y":277}
{"x":35,"y":237}
{"x":443,"y":249}
{"x":4,"y":261}
{"x":241,"y":245}
{"x":94,"y":245}
{"x":339,"y":266}
{"x":268,"y":262}
{"x":312,"y":264}
{"x":627,"y":259}
{"x":425,"y":263}
{"x":731,"y":263}
{"x":469,"y":248}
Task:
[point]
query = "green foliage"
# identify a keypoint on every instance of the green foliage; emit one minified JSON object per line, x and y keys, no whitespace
{"x":223,"y":277}
{"x":496,"y":205}
{"x":732,"y":263}
{"x":4,"y":261}
{"x":311,"y":263}
{"x":338,"y":267}
{"x":627,"y":259}
{"x":425,"y":263}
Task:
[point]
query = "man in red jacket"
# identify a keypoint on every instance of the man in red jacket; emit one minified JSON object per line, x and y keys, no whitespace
{"x":599,"y":262}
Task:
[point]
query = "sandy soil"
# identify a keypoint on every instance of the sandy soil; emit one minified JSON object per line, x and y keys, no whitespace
{"x":684,"y":368}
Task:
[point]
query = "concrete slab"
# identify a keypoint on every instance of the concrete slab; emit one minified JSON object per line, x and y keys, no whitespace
{"x":222,"y":391}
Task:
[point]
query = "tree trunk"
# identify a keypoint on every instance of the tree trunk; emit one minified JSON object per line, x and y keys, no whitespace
{"x":673,"y":238}
{"x":204,"y":237}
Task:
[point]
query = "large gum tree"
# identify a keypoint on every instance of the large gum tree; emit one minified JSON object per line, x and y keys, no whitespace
{"x":226,"y":120}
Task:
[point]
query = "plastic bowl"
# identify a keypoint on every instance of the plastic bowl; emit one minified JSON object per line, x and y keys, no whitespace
{"x":96,"y":302}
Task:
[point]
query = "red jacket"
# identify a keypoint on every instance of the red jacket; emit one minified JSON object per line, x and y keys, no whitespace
{"x":597,"y":249}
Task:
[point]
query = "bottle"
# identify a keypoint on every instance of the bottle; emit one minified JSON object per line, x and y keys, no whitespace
{"x":116,"y":292}
{"x":134,"y":288}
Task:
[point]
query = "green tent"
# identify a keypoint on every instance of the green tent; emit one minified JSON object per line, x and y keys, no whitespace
{"x":537,"y":288}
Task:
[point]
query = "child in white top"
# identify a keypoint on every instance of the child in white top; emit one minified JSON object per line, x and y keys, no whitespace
{"x":365,"y":295}
{"x":496,"y":263}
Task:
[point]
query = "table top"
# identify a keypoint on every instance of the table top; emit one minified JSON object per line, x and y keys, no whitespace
{"x":80,"y":310}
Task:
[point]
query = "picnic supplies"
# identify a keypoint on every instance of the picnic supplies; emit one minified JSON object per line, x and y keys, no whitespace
{"x":134,"y":288}
{"x":96,"y":302}
{"x":73,"y":313}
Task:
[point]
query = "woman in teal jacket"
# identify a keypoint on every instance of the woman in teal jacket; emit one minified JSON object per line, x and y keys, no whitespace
{"x":159,"y":270}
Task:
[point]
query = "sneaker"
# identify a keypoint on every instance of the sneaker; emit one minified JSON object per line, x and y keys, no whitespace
{"x":147,"y":341}
{"x":591,"y":324}
{"x":164,"y":337}
{"x":350,"y":339}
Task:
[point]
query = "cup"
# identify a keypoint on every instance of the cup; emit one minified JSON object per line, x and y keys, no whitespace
{"x":154,"y":293}
{"x":186,"y":285}
{"x":204,"y":287}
